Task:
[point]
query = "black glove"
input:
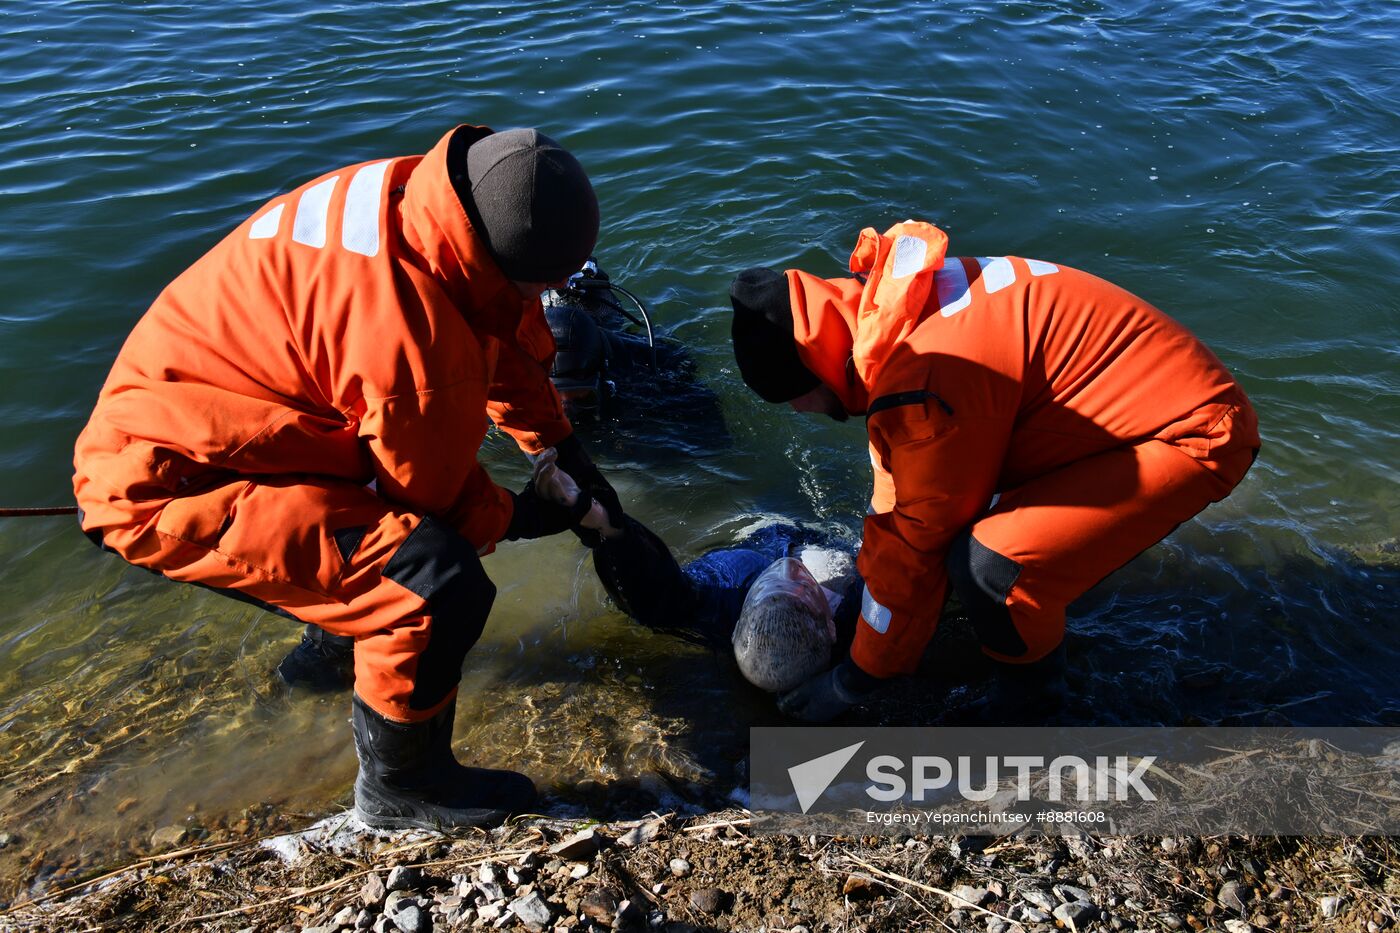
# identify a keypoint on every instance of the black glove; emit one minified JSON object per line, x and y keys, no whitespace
{"x":829,"y":694}
{"x":538,"y":518}
{"x":574,"y":460}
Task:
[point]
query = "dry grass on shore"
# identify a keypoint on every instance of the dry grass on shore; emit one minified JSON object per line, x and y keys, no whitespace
{"x":712,"y":873}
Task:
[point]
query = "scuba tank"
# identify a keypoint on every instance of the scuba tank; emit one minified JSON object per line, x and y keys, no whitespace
{"x":585,"y":317}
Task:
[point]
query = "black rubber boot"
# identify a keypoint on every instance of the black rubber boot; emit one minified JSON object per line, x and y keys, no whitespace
{"x":321,"y":662}
{"x":1037,"y":689}
{"x":409,"y":777}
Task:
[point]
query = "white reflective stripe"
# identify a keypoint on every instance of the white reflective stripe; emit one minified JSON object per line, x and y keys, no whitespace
{"x":875,"y":615}
{"x":953,"y":291}
{"x":359,"y":225}
{"x":997,"y":273}
{"x":1042,"y":268}
{"x":309,"y":225}
{"x":266,"y":226}
{"x":909,"y":253}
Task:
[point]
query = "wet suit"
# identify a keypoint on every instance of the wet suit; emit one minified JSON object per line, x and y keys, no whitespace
{"x":641,"y":397}
{"x":700,"y":602}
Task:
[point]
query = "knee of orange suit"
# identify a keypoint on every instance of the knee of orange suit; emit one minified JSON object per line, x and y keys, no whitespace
{"x":442,"y":568}
{"x":1015,"y":631}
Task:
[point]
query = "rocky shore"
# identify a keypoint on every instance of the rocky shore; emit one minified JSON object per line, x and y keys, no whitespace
{"x":711,"y":872}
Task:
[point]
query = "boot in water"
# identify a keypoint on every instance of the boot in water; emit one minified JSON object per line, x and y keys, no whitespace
{"x":321,"y":662}
{"x":409,"y":778}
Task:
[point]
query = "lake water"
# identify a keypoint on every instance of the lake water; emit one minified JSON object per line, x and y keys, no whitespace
{"x":1235,"y":163}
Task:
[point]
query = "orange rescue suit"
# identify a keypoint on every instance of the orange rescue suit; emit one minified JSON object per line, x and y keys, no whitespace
{"x":1097,"y":422}
{"x":352,"y":331}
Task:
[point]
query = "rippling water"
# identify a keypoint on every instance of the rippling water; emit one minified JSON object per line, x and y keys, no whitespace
{"x":1234,"y":162}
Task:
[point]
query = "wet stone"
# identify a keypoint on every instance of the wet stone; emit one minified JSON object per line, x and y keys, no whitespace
{"x":1075,"y":913}
{"x":372,"y":891}
{"x":404,"y":878}
{"x":168,"y":837}
{"x":710,"y":901}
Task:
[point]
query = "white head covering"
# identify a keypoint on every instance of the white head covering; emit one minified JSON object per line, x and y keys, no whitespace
{"x":785,"y":630}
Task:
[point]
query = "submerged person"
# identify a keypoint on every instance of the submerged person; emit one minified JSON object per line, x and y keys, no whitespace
{"x":784,"y":597}
{"x":1091,"y":422}
{"x":296,"y":420}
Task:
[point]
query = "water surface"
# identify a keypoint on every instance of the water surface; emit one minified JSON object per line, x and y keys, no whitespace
{"x":1235,"y":163}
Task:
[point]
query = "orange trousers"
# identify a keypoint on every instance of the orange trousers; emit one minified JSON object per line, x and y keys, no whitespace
{"x":409,"y":589}
{"x":1048,"y":541}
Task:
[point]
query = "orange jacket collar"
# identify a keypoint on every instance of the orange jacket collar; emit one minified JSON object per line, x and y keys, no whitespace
{"x":846,"y":330}
{"x":436,"y":227}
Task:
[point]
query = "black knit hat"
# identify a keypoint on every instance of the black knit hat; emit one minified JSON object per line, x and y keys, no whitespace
{"x":764,"y":346}
{"x":532,"y":203}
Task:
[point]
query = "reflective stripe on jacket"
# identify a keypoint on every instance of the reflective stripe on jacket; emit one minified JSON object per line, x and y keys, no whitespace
{"x":978,"y":374}
{"x":354,"y":328}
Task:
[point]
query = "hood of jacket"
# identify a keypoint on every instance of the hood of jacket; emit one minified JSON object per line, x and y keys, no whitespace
{"x":436,"y":227}
{"x":847,"y":328}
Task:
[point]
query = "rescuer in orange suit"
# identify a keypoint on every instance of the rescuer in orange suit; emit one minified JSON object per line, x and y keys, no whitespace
{"x":296,"y":419}
{"x":1032,"y":428}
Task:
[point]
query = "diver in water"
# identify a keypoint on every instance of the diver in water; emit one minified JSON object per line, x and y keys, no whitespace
{"x":635,"y":392}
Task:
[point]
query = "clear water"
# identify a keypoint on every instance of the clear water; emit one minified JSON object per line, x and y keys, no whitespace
{"x":1234,"y":162}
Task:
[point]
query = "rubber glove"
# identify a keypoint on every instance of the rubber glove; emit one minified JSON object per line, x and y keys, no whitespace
{"x":557,"y":486}
{"x":574,"y":460}
{"x":827,"y":695}
{"x":538,"y":517}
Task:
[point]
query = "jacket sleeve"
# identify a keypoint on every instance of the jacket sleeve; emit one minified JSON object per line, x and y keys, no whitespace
{"x":521,"y":400}
{"x":945,"y":471}
{"x":424,"y":447}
